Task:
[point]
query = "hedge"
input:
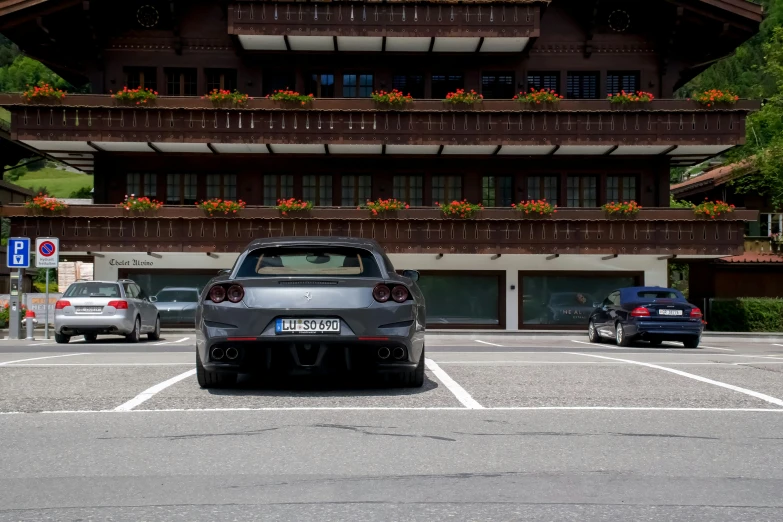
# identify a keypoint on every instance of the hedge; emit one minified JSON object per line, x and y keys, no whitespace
{"x":747,"y":314}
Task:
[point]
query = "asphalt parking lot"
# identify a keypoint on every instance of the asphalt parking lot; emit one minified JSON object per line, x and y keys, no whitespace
{"x":505,"y":428}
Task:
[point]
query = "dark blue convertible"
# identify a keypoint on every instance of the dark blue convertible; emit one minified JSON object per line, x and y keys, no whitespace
{"x":647,"y":313}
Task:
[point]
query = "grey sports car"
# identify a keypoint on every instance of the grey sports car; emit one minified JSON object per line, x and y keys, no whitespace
{"x":311,"y":306}
{"x":176,"y":305}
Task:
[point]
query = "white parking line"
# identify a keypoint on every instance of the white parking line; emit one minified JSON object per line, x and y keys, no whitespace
{"x":485,"y":342}
{"x":150,"y":392}
{"x":458,"y":391}
{"x":600,"y":345}
{"x":415,"y":408}
{"x":762,"y":396}
{"x":110,"y":364}
{"x":172,"y":342}
{"x":568,"y":362}
{"x":700,"y":346}
{"x":39,"y":358}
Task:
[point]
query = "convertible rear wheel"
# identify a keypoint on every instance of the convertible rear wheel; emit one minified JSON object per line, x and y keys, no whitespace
{"x":207,"y":379}
{"x":413,"y":378}
{"x":592,"y":333}
{"x":692,"y":342}
{"x":620,"y":337}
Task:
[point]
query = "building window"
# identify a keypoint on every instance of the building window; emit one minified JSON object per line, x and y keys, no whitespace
{"x":277,"y":187}
{"x":497,"y":85}
{"x":543,"y":80}
{"x":181,"y":82}
{"x":181,"y":189}
{"x":446,"y":188}
{"x":497,"y":191}
{"x":141,"y":184}
{"x":409,"y":84}
{"x":617,"y":81}
{"x":356,"y":190}
{"x":146,"y":77}
{"x":442,"y":84}
{"x":357,"y":85}
{"x":222,"y":186}
{"x":581,"y":191}
{"x":320,"y":85}
{"x":542,"y":187}
{"x":409,"y":189}
{"x":620,"y":188}
{"x":463,"y":298}
{"x":582,"y":85}
{"x":317,"y":189}
{"x":221,"y":79}
{"x":279,"y":81}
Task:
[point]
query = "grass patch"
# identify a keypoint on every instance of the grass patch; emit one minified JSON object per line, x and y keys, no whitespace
{"x":60,"y":183}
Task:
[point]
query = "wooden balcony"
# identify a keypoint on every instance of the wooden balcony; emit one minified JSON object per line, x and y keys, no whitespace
{"x":680,"y":129}
{"x":656,"y":231}
{"x":397,"y":26}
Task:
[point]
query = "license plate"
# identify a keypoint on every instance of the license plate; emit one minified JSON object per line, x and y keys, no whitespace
{"x":669,"y":312}
{"x":307,"y":325}
{"x":89,"y":309}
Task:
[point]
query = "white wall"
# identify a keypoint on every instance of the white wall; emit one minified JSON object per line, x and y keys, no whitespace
{"x":655,"y":270}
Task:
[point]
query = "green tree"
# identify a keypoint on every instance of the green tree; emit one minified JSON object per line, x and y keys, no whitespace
{"x":82,"y":193}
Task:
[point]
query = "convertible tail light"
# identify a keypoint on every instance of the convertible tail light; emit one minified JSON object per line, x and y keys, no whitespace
{"x":399,"y":293}
{"x":235,"y":293}
{"x":640,"y":312}
{"x":59,"y":305}
{"x":217,"y":294}
{"x":381,"y":293}
{"x":696,"y":313}
{"x":119,"y":305}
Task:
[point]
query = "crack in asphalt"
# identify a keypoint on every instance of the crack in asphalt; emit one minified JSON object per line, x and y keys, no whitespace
{"x":196,"y":435}
{"x":358,"y":429}
{"x":569,"y":434}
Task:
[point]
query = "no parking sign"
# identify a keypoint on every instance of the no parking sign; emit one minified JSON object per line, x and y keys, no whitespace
{"x":47,"y":252}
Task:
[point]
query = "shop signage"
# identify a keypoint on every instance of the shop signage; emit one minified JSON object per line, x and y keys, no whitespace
{"x":129,"y":262}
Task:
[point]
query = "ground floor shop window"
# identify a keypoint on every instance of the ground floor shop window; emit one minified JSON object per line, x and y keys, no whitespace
{"x":456,"y":298}
{"x":567,"y":299}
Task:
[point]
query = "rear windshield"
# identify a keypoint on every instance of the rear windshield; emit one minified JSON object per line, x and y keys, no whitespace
{"x":309,"y":261}
{"x":178,"y":296}
{"x":92,"y":290}
{"x":659,"y":294}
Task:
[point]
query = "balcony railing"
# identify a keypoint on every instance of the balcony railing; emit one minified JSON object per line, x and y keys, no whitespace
{"x":657,"y":231}
{"x":662,"y":124}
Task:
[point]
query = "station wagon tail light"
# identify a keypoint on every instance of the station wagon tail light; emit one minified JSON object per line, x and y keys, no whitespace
{"x":399,"y":293}
{"x":59,"y":305}
{"x":381,"y":293}
{"x":119,"y":305}
{"x":696,"y":313}
{"x":235,"y":293}
{"x":640,"y":312}
{"x":217,"y":294}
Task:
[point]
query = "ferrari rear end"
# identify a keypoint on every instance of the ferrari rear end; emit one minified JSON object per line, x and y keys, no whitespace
{"x":311,"y":309}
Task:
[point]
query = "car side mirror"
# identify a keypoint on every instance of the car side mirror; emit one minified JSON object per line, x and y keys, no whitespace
{"x":153,"y":299}
{"x":413,"y":275}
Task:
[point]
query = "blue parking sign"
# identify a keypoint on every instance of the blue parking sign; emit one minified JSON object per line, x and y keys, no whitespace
{"x":18,"y":252}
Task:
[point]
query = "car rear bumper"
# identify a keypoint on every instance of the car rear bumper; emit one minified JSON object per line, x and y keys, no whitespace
{"x":99,"y":324}
{"x":665,"y":329}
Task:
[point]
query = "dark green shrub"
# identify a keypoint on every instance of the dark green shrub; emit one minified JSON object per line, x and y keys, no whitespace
{"x":747,"y":314}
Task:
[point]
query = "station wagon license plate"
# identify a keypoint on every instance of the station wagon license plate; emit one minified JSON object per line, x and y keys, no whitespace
{"x":89,"y":309}
{"x":307,"y":325}
{"x":669,"y":312}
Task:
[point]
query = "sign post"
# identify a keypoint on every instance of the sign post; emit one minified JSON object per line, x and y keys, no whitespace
{"x":18,"y":257}
{"x":47,"y":256}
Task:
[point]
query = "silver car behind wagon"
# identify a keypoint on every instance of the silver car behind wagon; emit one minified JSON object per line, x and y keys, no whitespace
{"x":91,"y":308}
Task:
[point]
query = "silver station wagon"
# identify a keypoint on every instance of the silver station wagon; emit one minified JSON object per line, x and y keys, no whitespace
{"x":92,"y":308}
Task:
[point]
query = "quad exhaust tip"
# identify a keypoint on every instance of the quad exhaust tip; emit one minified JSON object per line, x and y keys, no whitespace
{"x":232,"y":353}
{"x":217,"y":353}
{"x":398,"y":353}
{"x":383,"y":353}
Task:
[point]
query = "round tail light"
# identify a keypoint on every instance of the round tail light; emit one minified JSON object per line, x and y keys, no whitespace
{"x":235,"y":293}
{"x":217,"y":294}
{"x":399,"y":293}
{"x":381,"y":293}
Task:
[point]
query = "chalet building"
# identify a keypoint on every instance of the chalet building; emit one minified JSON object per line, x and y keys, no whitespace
{"x":498,"y":270}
